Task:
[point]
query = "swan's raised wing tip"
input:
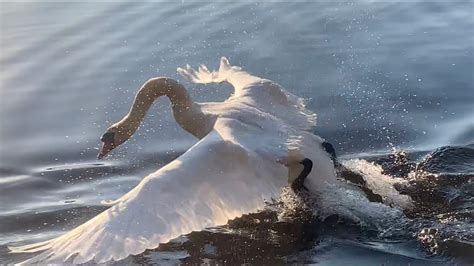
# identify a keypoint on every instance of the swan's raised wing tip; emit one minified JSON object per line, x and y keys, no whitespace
{"x":180,"y":70}
{"x":187,"y":73}
{"x":225,"y":60}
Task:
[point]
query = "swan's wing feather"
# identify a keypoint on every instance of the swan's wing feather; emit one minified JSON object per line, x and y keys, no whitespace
{"x":226,"y":73}
{"x":219,"y":178}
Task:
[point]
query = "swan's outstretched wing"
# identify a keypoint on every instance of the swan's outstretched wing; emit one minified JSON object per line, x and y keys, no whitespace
{"x":218,"y":179}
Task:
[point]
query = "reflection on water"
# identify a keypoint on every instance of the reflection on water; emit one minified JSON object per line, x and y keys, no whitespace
{"x":379,"y":75}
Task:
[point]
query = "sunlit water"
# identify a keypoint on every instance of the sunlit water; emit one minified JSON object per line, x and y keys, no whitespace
{"x":381,"y":76}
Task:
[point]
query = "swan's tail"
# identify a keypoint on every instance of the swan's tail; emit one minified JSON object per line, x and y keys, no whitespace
{"x":203,"y":76}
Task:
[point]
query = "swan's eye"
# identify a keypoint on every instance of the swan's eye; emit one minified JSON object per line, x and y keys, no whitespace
{"x":108,"y":137}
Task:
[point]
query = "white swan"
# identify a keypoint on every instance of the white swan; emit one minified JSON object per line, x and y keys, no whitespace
{"x":248,"y":150}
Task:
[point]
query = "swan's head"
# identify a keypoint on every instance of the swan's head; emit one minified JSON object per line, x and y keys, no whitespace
{"x":114,"y":136}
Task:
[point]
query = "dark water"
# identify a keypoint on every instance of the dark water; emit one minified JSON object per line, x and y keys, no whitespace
{"x":382,"y":77}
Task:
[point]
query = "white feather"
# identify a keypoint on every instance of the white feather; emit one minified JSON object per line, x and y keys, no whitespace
{"x":232,"y":171}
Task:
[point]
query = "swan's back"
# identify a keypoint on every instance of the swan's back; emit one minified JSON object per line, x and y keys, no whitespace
{"x":273,"y":99}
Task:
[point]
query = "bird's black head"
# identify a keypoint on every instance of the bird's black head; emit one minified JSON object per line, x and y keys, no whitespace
{"x":330,"y":150}
{"x":307,"y":163}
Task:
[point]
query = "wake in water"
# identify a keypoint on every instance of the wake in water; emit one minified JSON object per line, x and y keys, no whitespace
{"x":433,"y":192}
{"x":400,"y":197}
{"x":400,"y":206}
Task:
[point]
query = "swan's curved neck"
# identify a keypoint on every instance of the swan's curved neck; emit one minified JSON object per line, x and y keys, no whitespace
{"x":185,"y":110}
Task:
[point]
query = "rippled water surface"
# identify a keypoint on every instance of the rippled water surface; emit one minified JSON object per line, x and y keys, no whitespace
{"x":392,"y":84}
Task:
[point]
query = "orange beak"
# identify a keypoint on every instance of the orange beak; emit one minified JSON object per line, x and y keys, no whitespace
{"x":107,"y":146}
